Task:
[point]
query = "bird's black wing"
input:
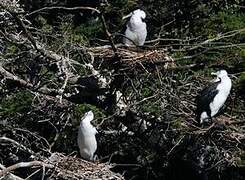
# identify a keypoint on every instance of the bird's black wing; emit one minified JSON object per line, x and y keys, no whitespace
{"x":205,"y":97}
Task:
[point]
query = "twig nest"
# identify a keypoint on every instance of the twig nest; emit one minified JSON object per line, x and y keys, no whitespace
{"x":68,"y":167}
{"x":132,"y":55}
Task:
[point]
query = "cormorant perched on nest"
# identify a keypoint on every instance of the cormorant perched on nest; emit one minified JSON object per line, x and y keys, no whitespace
{"x":86,"y":137}
{"x":212,"y":98}
{"x":136,"y":32}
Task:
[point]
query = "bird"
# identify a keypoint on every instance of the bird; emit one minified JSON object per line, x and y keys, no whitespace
{"x":136,"y":31}
{"x":86,"y":137}
{"x":212,"y":98}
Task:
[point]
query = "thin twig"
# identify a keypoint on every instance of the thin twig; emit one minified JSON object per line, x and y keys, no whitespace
{"x":179,"y":141}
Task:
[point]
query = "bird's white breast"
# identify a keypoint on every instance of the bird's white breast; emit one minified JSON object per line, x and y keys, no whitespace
{"x":224,"y":90}
{"x":136,"y":31}
{"x":137,"y":35}
{"x":86,"y":140}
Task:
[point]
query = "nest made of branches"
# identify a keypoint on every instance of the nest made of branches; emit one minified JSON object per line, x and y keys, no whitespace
{"x":62,"y":167}
{"x":68,"y":167}
{"x":130,"y":56}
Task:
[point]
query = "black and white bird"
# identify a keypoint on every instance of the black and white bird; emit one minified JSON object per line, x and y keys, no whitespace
{"x":212,"y":98}
{"x":86,"y":137}
{"x":136,"y":32}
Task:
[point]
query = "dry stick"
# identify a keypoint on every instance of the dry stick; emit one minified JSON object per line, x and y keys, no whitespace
{"x":23,"y":83}
{"x":23,"y":27}
{"x":18,"y":144}
{"x":144,"y":99}
{"x":9,"y":40}
{"x":43,"y":172}
{"x":222,"y":36}
{"x":32,"y":174}
{"x":171,"y":150}
{"x":10,"y":76}
{"x":62,"y":89}
{"x":240,"y":6}
{"x":57,"y":135}
{"x":63,"y":8}
{"x":10,"y":175}
{"x":161,"y":29}
{"x":139,"y":57}
{"x":102,"y":18}
{"x":109,"y":35}
{"x":24,"y":164}
{"x":34,"y":135}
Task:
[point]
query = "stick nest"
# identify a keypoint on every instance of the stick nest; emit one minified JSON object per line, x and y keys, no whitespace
{"x":133,"y":55}
{"x":68,"y":167}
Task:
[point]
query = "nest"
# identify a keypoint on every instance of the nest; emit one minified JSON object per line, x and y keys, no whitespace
{"x":131,"y":56}
{"x":68,"y":167}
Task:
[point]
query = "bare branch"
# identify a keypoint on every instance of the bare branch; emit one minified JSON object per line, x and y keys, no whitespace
{"x":23,"y":27}
{"x":24,"y":164}
{"x":109,"y":35}
{"x":10,"y":76}
{"x":17,"y":144}
{"x":10,"y":176}
{"x":62,"y":8}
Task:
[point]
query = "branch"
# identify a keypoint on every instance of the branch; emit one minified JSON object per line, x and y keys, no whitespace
{"x":18,"y":144}
{"x":109,"y":35}
{"x":10,"y":76}
{"x":63,"y":69}
{"x":218,"y":37}
{"x":102,"y":18}
{"x":63,"y":8}
{"x":10,"y":176}
{"x":177,"y":144}
{"x":23,"y":27}
{"x":24,"y":164}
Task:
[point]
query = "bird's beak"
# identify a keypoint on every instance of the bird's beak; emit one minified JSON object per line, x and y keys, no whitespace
{"x":127,"y":16}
